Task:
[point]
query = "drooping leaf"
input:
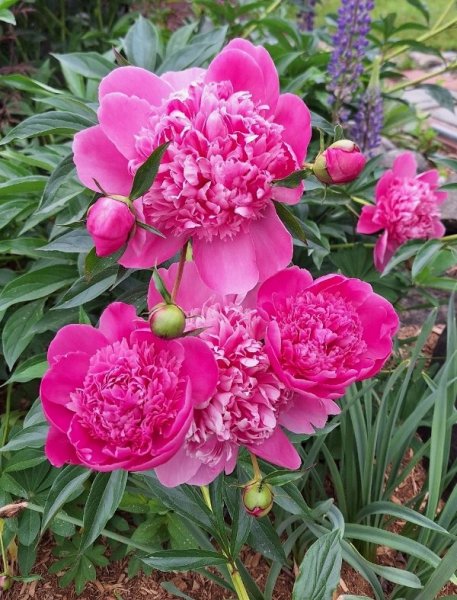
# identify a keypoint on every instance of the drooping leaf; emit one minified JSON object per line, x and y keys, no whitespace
{"x":320,"y":569}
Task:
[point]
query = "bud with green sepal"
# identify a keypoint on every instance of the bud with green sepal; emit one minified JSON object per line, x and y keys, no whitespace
{"x":258,"y":498}
{"x":341,"y":162}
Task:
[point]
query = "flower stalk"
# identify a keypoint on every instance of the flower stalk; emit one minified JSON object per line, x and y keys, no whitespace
{"x":235,"y":576}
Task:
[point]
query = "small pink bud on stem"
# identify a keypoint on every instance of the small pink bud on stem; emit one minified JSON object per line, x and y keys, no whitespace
{"x":258,"y":498}
{"x":341,"y":162}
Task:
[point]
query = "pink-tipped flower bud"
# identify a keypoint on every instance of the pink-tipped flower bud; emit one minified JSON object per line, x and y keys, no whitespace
{"x":258,"y":499}
{"x":109,"y":222}
{"x":341,"y":162}
{"x":167,"y":321}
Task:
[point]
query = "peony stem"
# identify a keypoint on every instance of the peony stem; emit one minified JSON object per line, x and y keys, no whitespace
{"x":9,"y":391}
{"x":182,"y":262}
{"x":361,"y":201}
{"x":234,"y":573}
{"x":255,"y":467}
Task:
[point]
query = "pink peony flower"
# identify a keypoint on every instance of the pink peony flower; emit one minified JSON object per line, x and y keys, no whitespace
{"x":231,"y":135}
{"x":109,"y":222}
{"x":118,"y":397}
{"x":247,"y":406}
{"x":324,"y":335}
{"x":407,"y":208}
{"x":341,"y":162}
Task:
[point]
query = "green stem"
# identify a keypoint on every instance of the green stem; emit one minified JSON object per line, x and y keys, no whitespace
{"x":444,"y":13}
{"x":350,"y":245}
{"x":255,"y":467}
{"x":234,"y":573}
{"x":9,"y":391}
{"x":413,"y":82}
{"x":3,"y":552}
{"x":360,"y":201}
{"x":182,"y":262}
{"x":449,"y":238}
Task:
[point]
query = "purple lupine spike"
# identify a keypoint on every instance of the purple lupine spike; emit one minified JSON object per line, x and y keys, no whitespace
{"x":369,"y":121}
{"x":350,"y":43}
{"x":308,"y":14}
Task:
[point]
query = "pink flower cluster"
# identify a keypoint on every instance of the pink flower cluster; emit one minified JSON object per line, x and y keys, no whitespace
{"x":118,"y":397}
{"x":274,"y":348}
{"x":407,"y":208}
{"x":231,"y":134}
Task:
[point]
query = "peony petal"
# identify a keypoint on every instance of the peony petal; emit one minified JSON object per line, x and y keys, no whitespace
{"x":288,"y":282}
{"x":431,"y":177}
{"x":266,"y":64}
{"x":206,"y":475}
{"x":293,"y":114}
{"x":383,"y":252}
{"x":278,"y":450}
{"x":64,"y":377}
{"x":145,"y":249}
{"x":200,"y":366}
{"x":180,"y":80}
{"x":121,"y":118}
{"x":227,"y":266}
{"x":58,"y":449}
{"x":179,"y":469}
{"x":288,"y":195}
{"x":272,"y":242}
{"x":405,"y":165}
{"x":135,"y":81}
{"x":75,"y":338}
{"x":118,"y":321}
{"x":383,"y":185}
{"x":438,"y":229}
{"x":366,"y":224}
{"x":241,"y":70}
{"x":306,"y":414}
{"x":441,"y":197}
{"x":96,"y":158}
{"x":192,"y":293}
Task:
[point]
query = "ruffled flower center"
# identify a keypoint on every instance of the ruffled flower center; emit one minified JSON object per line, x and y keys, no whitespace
{"x":321,"y":335}
{"x":216,"y":174}
{"x":130,"y":397}
{"x":245,"y":407}
{"x":409,"y":210}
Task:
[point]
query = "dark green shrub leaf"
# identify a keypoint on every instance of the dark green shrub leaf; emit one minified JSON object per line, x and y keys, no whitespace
{"x":18,"y":330}
{"x":67,"y":483}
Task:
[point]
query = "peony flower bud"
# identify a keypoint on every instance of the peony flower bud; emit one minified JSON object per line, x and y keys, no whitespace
{"x":109,"y":222}
{"x":341,"y":162}
{"x":167,"y":321}
{"x":258,"y":499}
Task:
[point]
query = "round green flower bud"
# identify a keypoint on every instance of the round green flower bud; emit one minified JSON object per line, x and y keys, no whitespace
{"x":258,"y":499}
{"x":5,"y":583}
{"x":167,"y":321}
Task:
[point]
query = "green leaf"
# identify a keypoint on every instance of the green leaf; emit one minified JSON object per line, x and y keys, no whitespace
{"x":7,"y":16}
{"x":29,"y":437}
{"x":320,"y":569}
{"x":55,"y":122}
{"x":144,"y":177}
{"x":401,"y":512}
{"x":67,"y":483}
{"x":26,"y":84}
{"x":184,"y":560}
{"x":33,"y":368}
{"x":25,"y":459}
{"x":425,"y":255}
{"x":282,"y":477}
{"x":77,"y":240}
{"x":87,"y":64}
{"x":264,"y":538}
{"x":150,"y":228}
{"x":60,"y":187}
{"x":293,"y":180}
{"x":104,"y":498}
{"x":160,"y":286}
{"x":36,"y":284}
{"x":94,"y":265}
{"x":201,"y":48}
{"x":293,"y":224}
{"x":439,"y":93}
{"x":83,"y":291}
{"x":29,"y":527}
{"x":23,"y":185}
{"x":179,"y":38}
{"x":141,"y":43}
{"x":421,"y":7}
{"x":18,"y":330}
{"x":170,"y":587}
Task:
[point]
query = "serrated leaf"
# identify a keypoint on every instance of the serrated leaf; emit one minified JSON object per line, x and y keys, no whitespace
{"x":319,"y":572}
{"x":68,"y":482}
{"x":104,"y":498}
{"x":144,"y":177}
{"x":184,"y":560}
